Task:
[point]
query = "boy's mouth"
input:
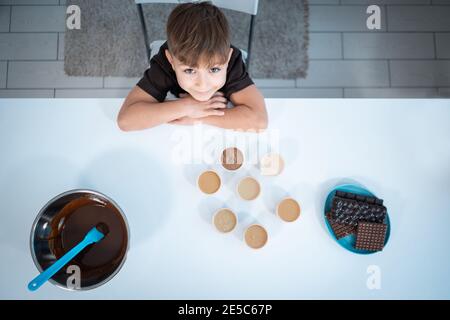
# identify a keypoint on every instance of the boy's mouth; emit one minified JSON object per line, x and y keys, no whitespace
{"x":203,"y":92}
{"x":202,"y":95}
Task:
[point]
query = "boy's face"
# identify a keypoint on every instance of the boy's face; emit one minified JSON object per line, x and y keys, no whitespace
{"x":201,"y":83}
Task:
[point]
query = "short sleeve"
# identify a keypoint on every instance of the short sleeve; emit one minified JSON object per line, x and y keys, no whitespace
{"x":155,"y":81}
{"x":238,"y":77}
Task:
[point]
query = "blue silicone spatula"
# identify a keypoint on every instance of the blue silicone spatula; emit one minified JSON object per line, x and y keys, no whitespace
{"x":94,"y":235}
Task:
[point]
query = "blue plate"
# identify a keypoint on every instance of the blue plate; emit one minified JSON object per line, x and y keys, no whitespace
{"x":349,"y":241}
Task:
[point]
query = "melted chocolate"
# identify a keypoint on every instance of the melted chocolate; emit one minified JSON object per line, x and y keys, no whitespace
{"x":99,"y":260}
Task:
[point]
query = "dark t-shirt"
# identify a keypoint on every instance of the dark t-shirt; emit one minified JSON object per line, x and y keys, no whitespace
{"x":160,"y":77}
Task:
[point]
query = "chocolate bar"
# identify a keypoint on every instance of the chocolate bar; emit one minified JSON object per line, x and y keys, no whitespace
{"x":370,"y":236}
{"x":341,"y":194}
{"x":353,"y":196}
{"x":350,"y":209}
{"x":340,"y":230}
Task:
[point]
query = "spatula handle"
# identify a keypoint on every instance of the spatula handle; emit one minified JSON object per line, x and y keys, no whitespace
{"x":55,"y":267}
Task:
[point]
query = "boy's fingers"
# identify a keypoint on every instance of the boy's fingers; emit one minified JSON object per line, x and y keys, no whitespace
{"x":216,"y":105}
{"x":219,"y":99}
{"x":218,"y":94}
{"x":216,"y":113}
{"x":220,"y":105}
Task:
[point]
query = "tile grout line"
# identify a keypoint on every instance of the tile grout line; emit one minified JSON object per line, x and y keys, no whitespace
{"x":311,"y":5}
{"x":372,"y":31}
{"x":389,"y":72}
{"x":274,"y":88}
{"x":311,"y":31}
{"x":7,"y":67}
{"x":435,"y":45}
{"x":386,"y":13}
{"x":10,"y":18}
{"x":64,"y":88}
{"x":40,"y":60}
{"x":342,"y":46}
{"x":388,"y":61}
{"x":57,"y":47}
{"x":445,"y":5}
{"x":27,"y":89}
{"x":377,"y":59}
{"x":32,"y":32}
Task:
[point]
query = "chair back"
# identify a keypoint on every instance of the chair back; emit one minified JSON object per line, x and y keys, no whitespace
{"x":245,"y":6}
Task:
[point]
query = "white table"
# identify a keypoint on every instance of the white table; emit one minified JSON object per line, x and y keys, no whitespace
{"x":398,"y":149}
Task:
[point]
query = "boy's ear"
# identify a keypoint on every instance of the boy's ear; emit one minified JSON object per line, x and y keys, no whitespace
{"x":169,"y":57}
{"x":229,"y":55}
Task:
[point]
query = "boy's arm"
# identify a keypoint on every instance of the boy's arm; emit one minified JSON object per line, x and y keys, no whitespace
{"x":249,"y":112}
{"x":140,"y":110}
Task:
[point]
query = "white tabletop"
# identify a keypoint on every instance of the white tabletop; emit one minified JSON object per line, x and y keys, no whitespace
{"x":398,"y":149}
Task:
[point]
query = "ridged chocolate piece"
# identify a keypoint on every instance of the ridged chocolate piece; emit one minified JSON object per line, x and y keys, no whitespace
{"x":370,"y":236}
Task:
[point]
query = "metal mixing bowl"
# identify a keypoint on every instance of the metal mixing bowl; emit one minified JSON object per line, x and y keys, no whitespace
{"x":41,"y":236}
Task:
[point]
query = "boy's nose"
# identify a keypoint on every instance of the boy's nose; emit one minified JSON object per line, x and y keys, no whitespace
{"x":202,"y":84}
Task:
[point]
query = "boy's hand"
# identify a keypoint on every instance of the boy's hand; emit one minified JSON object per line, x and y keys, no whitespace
{"x":201,"y":109}
{"x":185,"y":121}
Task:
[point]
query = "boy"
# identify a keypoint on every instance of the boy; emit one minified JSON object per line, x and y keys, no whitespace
{"x":200,"y":67}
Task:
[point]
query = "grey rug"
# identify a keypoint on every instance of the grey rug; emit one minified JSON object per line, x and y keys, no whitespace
{"x":110,"y":41}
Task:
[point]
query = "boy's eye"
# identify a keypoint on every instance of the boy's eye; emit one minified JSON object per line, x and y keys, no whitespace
{"x":189,"y":71}
{"x":215,"y":70}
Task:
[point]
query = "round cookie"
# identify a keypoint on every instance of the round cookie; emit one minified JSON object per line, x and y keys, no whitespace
{"x":209,"y":182}
{"x":288,"y":210}
{"x":248,"y":188}
{"x":256,"y":236}
{"x":225,"y":220}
